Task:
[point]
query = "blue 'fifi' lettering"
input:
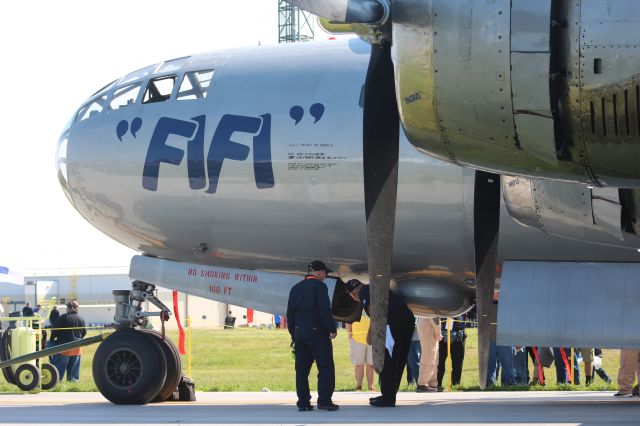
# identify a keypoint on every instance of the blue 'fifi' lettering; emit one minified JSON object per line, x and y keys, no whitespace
{"x":221,"y":148}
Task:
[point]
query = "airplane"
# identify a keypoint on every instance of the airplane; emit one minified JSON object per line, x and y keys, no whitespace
{"x":229,"y":171}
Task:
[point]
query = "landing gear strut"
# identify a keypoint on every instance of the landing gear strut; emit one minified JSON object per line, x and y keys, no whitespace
{"x":129,"y":311}
{"x":137,"y":366}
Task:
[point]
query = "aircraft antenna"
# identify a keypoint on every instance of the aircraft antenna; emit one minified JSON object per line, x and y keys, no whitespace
{"x":294,"y":24}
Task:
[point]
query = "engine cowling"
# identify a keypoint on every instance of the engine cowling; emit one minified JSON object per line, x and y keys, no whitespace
{"x":576,"y":211}
{"x":545,"y":88}
{"x":430,"y":296}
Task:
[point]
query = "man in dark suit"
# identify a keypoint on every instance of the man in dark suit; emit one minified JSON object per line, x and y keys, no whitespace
{"x":401,"y":323}
{"x":312,"y":327}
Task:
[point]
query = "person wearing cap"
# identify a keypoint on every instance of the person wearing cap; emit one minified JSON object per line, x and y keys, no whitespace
{"x":401,"y":323}
{"x":69,"y":327}
{"x":312,"y":327}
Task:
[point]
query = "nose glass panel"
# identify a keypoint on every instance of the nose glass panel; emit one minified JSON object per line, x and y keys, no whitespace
{"x":61,"y":164}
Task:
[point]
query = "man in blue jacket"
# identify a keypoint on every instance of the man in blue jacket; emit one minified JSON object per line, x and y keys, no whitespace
{"x":312,"y":327}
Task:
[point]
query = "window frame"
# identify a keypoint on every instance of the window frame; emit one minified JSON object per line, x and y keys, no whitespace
{"x":135,"y":101}
{"x":186,"y":74}
{"x":164,"y":98}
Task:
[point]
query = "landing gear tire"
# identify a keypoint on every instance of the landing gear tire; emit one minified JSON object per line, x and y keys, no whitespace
{"x":27,"y":377}
{"x":129,"y":367}
{"x":50,"y":376}
{"x":174,"y":365}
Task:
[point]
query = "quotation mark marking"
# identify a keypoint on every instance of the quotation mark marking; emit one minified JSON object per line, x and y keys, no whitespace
{"x":123,"y":127}
{"x":316,"y":111}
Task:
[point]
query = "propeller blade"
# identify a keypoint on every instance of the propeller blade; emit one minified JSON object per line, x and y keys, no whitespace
{"x":381,"y":134}
{"x":486,"y":218}
{"x":350,"y":11}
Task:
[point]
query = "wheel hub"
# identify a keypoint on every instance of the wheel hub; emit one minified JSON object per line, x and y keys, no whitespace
{"x":124,"y":368}
{"x":26,"y":377}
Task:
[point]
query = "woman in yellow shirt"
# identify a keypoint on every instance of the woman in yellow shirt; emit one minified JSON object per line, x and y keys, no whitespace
{"x":360,"y":352}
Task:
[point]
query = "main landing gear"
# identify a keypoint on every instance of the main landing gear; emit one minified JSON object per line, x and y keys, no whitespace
{"x":136,"y":365}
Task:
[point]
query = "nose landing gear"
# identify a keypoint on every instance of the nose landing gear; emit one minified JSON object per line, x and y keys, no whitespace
{"x":136,"y":366}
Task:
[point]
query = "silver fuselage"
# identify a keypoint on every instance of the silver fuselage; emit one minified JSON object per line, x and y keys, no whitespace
{"x":313,"y":206}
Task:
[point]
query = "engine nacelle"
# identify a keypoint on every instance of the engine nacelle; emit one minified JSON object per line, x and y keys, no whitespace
{"x":545,"y":88}
{"x":601,"y":215}
{"x":433,"y":297}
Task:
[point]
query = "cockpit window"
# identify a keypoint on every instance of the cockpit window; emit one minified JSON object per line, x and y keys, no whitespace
{"x":195,"y":85}
{"x":171,"y":66}
{"x":92,"y":108}
{"x":159,"y":89}
{"x":105,"y":88}
{"x":125,"y":96}
{"x":138,"y":75}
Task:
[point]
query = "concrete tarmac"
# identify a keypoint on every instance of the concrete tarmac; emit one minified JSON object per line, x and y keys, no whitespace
{"x":449,"y":408}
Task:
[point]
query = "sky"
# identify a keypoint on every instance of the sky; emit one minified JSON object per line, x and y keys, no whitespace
{"x":55,"y":55}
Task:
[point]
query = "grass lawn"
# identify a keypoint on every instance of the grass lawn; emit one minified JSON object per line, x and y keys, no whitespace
{"x":252,"y":360}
